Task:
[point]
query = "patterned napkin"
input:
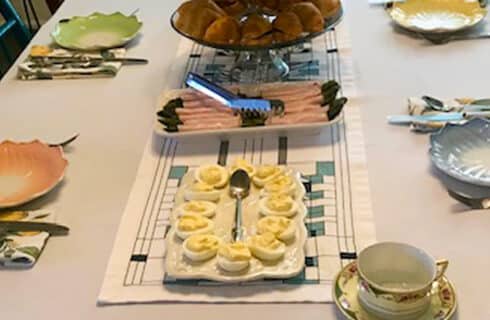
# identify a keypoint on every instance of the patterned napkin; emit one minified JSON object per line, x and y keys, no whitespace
{"x":22,"y":249}
{"x":417,"y":106}
{"x":68,"y":64}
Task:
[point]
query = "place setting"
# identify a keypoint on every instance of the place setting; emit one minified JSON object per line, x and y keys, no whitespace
{"x":90,"y":46}
{"x":28,"y":171}
{"x":459,"y":148}
{"x":438,"y":21}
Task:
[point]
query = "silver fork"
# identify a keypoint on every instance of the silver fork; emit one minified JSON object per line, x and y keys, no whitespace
{"x":475,"y":203}
{"x":442,"y":39}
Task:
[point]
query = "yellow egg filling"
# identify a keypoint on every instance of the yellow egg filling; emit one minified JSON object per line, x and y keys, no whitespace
{"x":237,"y":251}
{"x":244,"y":165}
{"x":211,"y":175}
{"x":201,"y":187}
{"x":195,"y":206}
{"x":202,"y":242}
{"x":266,"y":240}
{"x":279,"y":202}
{"x":274,"y":225}
{"x":192,"y":222}
{"x":263,"y":172}
{"x":279,"y":184}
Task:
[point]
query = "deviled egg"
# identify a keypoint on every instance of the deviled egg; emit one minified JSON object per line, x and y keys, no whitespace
{"x":202,"y":191}
{"x":212,"y":174}
{"x":201,"y":247}
{"x":266,"y":247}
{"x":282,"y":228}
{"x":234,"y":257}
{"x":265,"y":174}
{"x":281,"y":184}
{"x":278,"y":205}
{"x":191,"y":224}
{"x":204,"y":208}
{"x":244,"y":165}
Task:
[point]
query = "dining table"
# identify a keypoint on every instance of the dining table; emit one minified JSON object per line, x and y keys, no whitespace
{"x":115,"y":117}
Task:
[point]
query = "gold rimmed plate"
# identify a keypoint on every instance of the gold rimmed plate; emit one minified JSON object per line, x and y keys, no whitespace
{"x":345,"y":290}
{"x":437,"y":16}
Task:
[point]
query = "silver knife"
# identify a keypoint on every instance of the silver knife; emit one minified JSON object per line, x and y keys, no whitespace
{"x":84,"y":59}
{"x":440,"y":117}
{"x":19,"y":226}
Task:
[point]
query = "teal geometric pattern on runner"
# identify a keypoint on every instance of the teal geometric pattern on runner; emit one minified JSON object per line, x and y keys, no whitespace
{"x":309,"y":275}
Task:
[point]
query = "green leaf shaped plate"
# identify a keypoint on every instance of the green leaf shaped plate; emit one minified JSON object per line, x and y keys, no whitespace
{"x":97,"y":31}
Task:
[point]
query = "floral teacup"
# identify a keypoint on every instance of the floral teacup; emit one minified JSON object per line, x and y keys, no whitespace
{"x":395,"y":280}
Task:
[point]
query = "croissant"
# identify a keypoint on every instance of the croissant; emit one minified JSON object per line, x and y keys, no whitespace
{"x":234,"y":8}
{"x":224,"y":30}
{"x":328,"y":8}
{"x":286,"y":4}
{"x":255,"y":27}
{"x":262,"y":41}
{"x":289,"y":26}
{"x":196,"y":16}
{"x":269,"y":4}
{"x":310,"y":16}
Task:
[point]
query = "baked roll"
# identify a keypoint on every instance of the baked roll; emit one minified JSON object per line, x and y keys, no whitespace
{"x":196,"y":16}
{"x":225,"y":30}
{"x":235,"y":8}
{"x":255,"y":27}
{"x":284,"y":5}
{"x":310,"y":16}
{"x":328,"y":8}
{"x":262,"y":41}
{"x":288,"y":25}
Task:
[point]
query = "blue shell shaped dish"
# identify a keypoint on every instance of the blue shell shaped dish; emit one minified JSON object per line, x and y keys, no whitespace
{"x":463,"y":151}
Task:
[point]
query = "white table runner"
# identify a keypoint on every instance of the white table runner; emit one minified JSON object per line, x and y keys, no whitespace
{"x":339,"y":219}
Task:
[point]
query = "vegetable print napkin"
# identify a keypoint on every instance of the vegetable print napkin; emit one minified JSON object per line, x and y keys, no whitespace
{"x":47,"y":63}
{"x":22,"y":249}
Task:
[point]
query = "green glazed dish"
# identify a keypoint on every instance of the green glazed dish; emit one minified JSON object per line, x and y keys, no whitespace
{"x":97,"y":31}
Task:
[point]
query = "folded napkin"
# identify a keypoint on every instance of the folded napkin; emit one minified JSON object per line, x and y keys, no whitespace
{"x":55,"y":63}
{"x":22,"y":249}
{"x":417,"y":106}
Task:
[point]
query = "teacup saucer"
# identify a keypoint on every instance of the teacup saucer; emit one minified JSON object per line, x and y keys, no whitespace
{"x":443,"y":298}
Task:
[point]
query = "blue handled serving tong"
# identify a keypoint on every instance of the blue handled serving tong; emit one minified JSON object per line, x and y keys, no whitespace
{"x":226,"y":97}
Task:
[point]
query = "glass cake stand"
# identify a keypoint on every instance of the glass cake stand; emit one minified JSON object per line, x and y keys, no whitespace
{"x":251,"y":63}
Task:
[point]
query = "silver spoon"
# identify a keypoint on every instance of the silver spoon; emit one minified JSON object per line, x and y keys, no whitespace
{"x":239,"y":188}
{"x":435,"y":104}
{"x":66,"y":142}
{"x":475,"y":203}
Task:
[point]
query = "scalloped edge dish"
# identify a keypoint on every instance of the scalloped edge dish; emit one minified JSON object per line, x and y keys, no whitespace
{"x":113,"y":30}
{"x":475,"y":133}
{"x":436,"y":16}
{"x":286,"y":268}
{"x":49,"y":161}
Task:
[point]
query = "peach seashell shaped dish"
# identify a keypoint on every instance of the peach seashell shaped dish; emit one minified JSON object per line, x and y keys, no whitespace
{"x":28,"y":170}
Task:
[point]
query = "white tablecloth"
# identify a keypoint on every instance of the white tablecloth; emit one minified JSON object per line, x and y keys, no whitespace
{"x":115,"y":118}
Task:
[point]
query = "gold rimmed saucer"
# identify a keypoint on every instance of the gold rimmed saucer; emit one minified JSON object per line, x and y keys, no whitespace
{"x":345,"y":289}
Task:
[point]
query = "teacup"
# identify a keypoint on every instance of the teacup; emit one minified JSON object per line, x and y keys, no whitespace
{"x":395,"y":280}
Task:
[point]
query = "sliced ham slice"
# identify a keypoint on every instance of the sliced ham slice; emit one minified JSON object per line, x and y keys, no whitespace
{"x":306,"y":117}
{"x":234,"y":123}
{"x":292,"y":90}
{"x":205,"y":117}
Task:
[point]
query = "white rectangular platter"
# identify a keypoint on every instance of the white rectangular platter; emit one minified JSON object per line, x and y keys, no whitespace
{"x":313,"y":127}
{"x":179,"y":267}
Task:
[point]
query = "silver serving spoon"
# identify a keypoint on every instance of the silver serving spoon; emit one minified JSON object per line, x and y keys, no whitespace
{"x":239,"y":188}
{"x":475,"y":203}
